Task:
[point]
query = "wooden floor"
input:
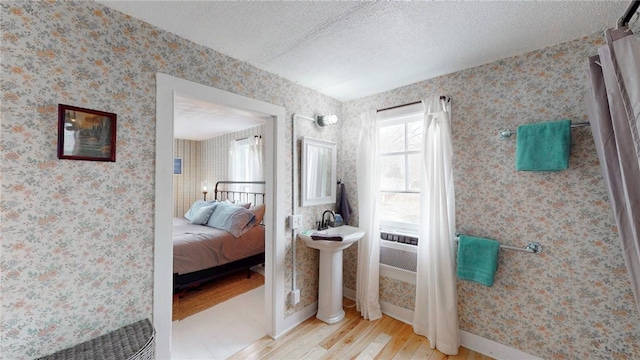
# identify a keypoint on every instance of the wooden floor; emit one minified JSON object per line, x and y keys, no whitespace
{"x":351,"y":338}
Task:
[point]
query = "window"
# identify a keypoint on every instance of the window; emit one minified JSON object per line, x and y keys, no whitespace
{"x":246,"y":163}
{"x":400,"y":146}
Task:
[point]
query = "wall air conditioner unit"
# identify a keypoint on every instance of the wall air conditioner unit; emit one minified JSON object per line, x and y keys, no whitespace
{"x":399,"y":250}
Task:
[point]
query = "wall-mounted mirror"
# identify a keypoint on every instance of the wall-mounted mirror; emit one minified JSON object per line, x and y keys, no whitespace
{"x":318,"y":172}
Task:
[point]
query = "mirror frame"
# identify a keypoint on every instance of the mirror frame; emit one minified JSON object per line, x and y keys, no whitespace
{"x":305,"y":144}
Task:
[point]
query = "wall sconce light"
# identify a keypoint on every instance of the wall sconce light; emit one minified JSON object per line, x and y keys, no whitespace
{"x":326,"y":120}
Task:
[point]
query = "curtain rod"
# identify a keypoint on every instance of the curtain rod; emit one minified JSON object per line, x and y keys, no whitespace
{"x":413,"y":103}
{"x":245,"y":138}
{"x":631,"y":10}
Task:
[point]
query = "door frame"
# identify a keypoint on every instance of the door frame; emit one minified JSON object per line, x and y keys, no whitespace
{"x":275,"y":217}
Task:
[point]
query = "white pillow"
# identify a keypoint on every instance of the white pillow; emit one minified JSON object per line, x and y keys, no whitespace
{"x":202,"y":215}
{"x":195,"y":207}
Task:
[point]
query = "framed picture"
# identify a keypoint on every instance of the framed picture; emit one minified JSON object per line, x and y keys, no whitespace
{"x":177,"y":166}
{"x":85,"y":134}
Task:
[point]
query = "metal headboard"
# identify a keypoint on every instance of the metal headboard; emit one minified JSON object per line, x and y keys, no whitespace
{"x":224,"y":193}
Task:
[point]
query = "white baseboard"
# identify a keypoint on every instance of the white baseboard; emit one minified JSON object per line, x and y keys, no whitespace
{"x":299,"y":317}
{"x":397,"y":312}
{"x":492,"y":348}
{"x":348,"y":293}
{"x":470,"y":341}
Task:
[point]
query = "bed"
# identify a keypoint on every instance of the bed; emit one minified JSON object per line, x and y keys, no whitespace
{"x":206,"y":247}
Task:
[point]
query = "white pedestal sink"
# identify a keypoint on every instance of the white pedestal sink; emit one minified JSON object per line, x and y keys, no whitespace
{"x":330,"y":287}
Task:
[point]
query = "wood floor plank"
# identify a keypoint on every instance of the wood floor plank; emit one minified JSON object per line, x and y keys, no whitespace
{"x":466,"y":354}
{"x":423,"y":351}
{"x":251,"y":349}
{"x":385,"y":323}
{"x":437,"y":355}
{"x":351,"y":338}
{"x":298,"y":341}
{"x":463,"y":354}
{"x":374,"y":348}
{"x":300,"y":346}
{"x":297,"y":346}
{"x":409,"y":347}
{"x":314,"y":354}
{"x":257,"y":353}
{"x":333,"y":338}
{"x":400,"y":334}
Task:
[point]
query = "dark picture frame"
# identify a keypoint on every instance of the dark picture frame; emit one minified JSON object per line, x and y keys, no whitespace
{"x":85,"y":134}
{"x":177,"y":166}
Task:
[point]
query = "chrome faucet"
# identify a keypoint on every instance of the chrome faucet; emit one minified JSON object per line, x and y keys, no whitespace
{"x":324,"y":224}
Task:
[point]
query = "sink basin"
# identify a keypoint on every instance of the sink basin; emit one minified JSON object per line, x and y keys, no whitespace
{"x":330,"y":284}
{"x":349,"y":235}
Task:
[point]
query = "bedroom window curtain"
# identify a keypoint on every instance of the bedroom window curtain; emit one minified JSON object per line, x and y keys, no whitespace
{"x":368,"y":270}
{"x":613,"y":106}
{"x":246,"y":163}
{"x":436,"y":306}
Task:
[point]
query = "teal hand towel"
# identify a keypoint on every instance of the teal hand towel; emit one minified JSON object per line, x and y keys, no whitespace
{"x":477,"y":259}
{"x":543,"y":146}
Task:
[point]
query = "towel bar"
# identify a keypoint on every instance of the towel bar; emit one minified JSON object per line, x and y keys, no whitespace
{"x":533,"y":247}
{"x":506,"y":133}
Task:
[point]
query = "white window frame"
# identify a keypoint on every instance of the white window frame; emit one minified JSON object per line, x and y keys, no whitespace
{"x":400,"y":115}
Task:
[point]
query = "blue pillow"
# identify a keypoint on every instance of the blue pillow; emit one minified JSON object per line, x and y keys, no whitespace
{"x":195,"y":207}
{"x":202,"y":215}
{"x":232,"y":218}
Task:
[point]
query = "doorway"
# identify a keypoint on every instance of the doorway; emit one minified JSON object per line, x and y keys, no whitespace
{"x":167,"y":88}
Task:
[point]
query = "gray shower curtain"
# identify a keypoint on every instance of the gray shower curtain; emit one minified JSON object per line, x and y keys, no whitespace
{"x":613,"y":106}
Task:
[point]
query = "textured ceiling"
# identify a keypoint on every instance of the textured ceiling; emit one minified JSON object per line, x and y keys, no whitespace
{"x":352,"y":49}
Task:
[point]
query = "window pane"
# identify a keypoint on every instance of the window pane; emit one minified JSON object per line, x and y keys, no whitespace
{"x":392,"y":173}
{"x":400,"y":207}
{"x":414,"y":136}
{"x":414,"y":172}
{"x":391,"y":138}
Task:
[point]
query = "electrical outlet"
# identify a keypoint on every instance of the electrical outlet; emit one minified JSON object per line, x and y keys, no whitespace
{"x":295,"y":221}
{"x":294,"y":296}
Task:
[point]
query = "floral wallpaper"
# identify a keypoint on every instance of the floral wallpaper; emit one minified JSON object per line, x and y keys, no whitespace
{"x":77,"y":245}
{"x":307,"y":258}
{"x":398,"y":293}
{"x":573,"y":301}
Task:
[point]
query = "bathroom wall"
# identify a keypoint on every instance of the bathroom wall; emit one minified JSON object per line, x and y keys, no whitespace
{"x":77,"y":246}
{"x":574,"y":300}
{"x":307,"y":258}
{"x":77,"y":236}
{"x":187,"y":186}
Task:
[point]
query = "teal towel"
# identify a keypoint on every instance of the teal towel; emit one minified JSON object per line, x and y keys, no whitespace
{"x":477,"y":259}
{"x":543,"y":146}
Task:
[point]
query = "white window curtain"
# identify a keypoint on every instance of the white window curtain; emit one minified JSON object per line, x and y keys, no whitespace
{"x":245,"y":163}
{"x":368,"y":273}
{"x":436,"y":312}
{"x":613,"y":105}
